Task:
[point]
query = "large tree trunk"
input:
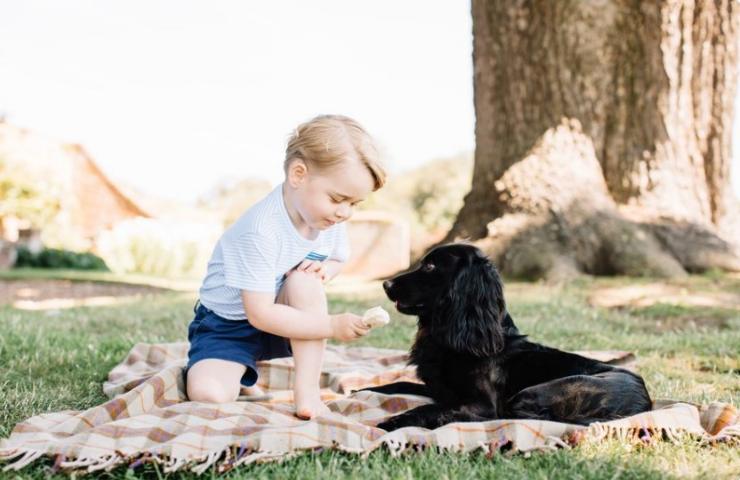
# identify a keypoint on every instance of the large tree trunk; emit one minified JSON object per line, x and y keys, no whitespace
{"x":603,"y":136}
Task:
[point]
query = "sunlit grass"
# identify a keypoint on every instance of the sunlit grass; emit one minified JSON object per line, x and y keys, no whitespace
{"x":57,"y":360}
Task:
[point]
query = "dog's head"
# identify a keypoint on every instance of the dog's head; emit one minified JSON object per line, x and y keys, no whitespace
{"x":458,"y":296}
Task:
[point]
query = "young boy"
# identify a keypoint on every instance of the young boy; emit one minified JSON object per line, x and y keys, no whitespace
{"x":263,"y":294}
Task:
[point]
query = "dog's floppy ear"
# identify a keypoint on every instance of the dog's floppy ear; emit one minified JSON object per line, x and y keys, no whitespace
{"x":470,"y":314}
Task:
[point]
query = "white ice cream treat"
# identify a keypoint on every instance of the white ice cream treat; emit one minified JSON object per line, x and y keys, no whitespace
{"x":376,"y":317}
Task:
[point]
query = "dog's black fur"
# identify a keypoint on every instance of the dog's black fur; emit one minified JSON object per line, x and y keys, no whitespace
{"x":476,"y":366}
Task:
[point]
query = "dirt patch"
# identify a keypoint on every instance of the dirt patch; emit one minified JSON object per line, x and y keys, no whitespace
{"x":41,"y":294}
{"x":684,"y":322}
{"x":660,"y":293}
{"x":670,"y":308}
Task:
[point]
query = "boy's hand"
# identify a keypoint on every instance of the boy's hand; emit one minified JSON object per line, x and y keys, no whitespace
{"x":348,"y":326}
{"x":311,"y":266}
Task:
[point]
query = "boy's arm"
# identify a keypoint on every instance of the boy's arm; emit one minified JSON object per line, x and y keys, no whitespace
{"x":289,"y":322}
{"x":283,"y":320}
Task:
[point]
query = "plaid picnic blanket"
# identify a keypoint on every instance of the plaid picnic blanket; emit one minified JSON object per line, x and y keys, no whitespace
{"x":148,"y":419}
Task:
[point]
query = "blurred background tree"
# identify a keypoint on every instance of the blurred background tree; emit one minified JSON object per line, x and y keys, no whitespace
{"x":603,"y":134}
{"x":24,"y":198}
{"x":427,"y":197}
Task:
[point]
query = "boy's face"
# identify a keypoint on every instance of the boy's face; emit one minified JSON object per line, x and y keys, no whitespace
{"x":328,"y":197}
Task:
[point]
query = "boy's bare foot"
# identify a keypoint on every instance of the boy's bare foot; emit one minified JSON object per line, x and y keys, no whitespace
{"x":309,"y":408}
{"x":312,"y":411}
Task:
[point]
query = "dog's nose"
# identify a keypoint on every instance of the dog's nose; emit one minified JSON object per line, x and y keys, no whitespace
{"x":387,"y":285}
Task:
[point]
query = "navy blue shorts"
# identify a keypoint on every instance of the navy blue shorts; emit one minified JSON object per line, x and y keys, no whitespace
{"x":211,"y":336}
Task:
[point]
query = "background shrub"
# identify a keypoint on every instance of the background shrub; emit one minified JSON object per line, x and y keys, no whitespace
{"x":58,"y":258}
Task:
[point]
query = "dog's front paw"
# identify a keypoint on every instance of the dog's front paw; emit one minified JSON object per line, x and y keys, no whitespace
{"x":393,"y":423}
{"x":387,"y":426}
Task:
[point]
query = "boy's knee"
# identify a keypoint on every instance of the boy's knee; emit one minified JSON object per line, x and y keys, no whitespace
{"x":302,"y":288}
{"x":211,"y":391}
{"x":304,"y":280}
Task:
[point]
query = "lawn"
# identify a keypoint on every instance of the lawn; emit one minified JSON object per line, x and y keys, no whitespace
{"x":57,"y":360}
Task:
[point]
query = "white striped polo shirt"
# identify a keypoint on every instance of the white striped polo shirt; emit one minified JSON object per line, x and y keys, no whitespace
{"x":258,"y":249}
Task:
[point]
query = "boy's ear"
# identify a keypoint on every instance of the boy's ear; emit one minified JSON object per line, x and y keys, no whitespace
{"x":297,"y":171}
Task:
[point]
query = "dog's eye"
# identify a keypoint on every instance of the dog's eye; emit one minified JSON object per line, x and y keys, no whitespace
{"x":428,"y":267}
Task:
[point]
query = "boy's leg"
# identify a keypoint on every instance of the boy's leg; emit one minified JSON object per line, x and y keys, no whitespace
{"x":214,"y":380}
{"x":306,"y":293}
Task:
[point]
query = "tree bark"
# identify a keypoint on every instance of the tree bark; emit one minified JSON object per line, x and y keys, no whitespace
{"x":639,"y":94}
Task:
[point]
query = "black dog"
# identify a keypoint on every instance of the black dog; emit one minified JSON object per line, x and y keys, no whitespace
{"x":476,"y":366}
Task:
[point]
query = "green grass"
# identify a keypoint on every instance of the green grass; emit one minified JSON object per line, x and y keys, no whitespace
{"x":57,"y":360}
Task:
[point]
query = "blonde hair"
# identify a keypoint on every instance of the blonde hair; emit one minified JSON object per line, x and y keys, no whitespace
{"x":326,"y":140}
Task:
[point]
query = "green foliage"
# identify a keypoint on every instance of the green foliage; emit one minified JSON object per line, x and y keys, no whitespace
{"x":24,"y":198}
{"x":157,"y":247}
{"x":57,"y":258}
{"x":438,"y":191}
{"x":429,"y":197}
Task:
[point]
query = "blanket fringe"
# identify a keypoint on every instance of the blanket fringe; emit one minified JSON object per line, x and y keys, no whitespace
{"x":396,"y":447}
{"x":727,"y":434}
{"x":173,"y":464}
{"x":81,"y":462}
{"x":209,"y":460}
{"x":599,"y":431}
{"x":235,"y":455}
{"x":7,"y":456}
{"x":254,"y":457}
{"x":556,"y":442}
{"x":29,"y":456}
{"x":106,"y":464}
